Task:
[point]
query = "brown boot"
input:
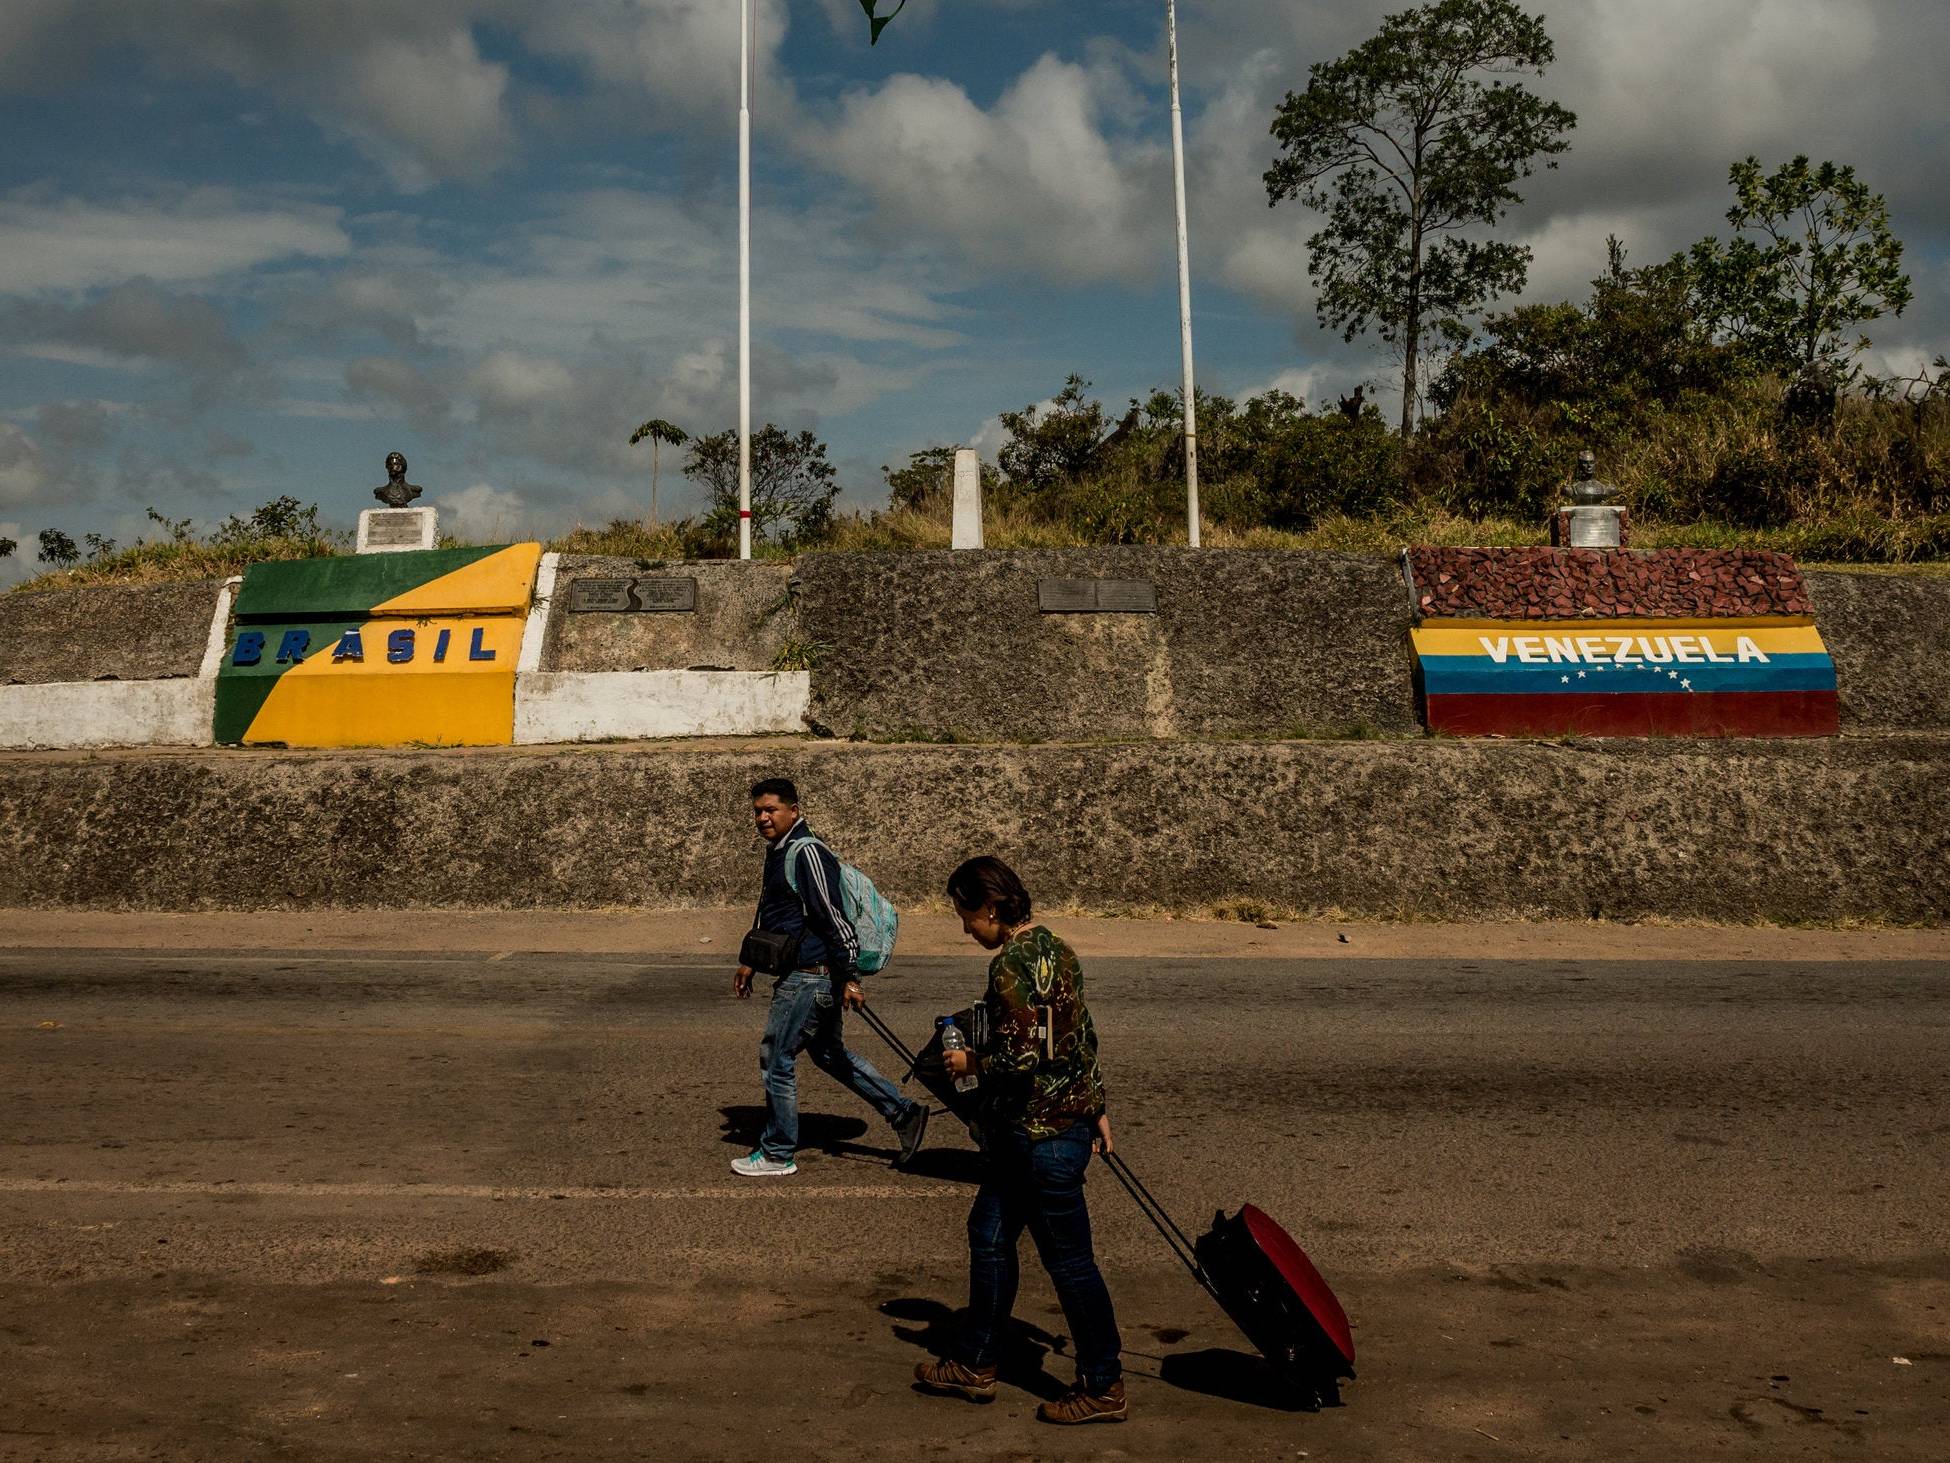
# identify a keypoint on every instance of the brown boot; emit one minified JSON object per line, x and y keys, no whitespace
{"x":1081,"y":1405}
{"x":953,"y":1379}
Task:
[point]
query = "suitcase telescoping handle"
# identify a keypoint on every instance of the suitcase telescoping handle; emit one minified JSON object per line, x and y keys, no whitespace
{"x":1152,"y":1210}
{"x":887,"y":1034}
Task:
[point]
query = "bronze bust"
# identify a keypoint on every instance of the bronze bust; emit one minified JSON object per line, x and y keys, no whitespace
{"x":397,"y":492}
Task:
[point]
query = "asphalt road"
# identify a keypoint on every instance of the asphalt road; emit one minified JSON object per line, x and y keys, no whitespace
{"x":403,"y":1205}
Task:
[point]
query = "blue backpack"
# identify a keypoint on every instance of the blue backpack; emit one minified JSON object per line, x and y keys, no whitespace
{"x":874,"y":919}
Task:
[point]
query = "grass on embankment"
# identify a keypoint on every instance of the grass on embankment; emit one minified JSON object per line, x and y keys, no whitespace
{"x":1816,"y":546}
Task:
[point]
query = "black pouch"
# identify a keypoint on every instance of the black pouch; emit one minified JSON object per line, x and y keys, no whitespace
{"x":769,"y":952}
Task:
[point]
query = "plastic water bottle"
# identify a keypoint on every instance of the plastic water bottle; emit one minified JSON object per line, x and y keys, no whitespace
{"x":953,"y":1041}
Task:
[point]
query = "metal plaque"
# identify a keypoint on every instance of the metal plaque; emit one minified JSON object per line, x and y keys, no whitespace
{"x":632,"y":596}
{"x":611,"y":596}
{"x":666,"y":596}
{"x":1595,"y":528}
{"x":1127,"y":596}
{"x":1097,"y":596}
{"x":386,"y":530}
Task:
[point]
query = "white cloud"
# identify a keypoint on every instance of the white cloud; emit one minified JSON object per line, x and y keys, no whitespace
{"x":23,"y":472}
{"x":407,"y":83}
{"x":1035,"y":182}
{"x":430,"y":107}
{"x":68,"y":243}
{"x":483,"y":513}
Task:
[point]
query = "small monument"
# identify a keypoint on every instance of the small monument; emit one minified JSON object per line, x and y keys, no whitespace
{"x":397,"y":528}
{"x":967,"y":528}
{"x":1591,"y":520}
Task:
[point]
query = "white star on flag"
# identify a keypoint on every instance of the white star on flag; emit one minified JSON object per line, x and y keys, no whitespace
{"x":1580,"y":675}
{"x":1686,"y":685}
{"x":1672,"y":675}
{"x":1565,"y":679}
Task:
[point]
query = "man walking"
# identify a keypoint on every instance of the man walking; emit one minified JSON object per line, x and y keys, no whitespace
{"x":800,"y":899}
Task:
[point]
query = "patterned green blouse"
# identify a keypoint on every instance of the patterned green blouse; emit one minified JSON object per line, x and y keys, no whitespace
{"x":1040,"y":1084}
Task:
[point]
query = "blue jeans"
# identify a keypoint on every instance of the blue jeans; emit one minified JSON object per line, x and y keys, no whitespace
{"x":1038,"y":1184}
{"x":805,"y":1017}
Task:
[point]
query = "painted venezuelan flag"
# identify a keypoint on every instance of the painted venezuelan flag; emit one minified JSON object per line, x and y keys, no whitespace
{"x":378,"y":650}
{"x":1624,"y":677}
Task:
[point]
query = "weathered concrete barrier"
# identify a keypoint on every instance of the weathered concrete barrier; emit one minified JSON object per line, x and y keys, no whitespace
{"x":956,"y":646}
{"x":1808,"y":831}
{"x":1890,"y":637}
{"x":140,"y":632}
{"x":1243,"y":643}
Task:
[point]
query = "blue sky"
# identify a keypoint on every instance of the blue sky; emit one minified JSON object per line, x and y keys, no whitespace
{"x":249,"y":246}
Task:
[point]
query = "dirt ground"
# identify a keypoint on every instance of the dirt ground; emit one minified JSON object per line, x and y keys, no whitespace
{"x":469,"y":1198}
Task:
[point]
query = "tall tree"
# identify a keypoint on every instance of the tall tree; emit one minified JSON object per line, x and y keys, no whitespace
{"x":1816,"y":258}
{"x":793,"y":485}
{"x":1048,"y":447}
{"x":1401,"y":143}
{"x":659,"y":432}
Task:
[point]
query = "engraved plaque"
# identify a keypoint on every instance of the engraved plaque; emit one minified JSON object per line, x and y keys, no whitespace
{"x":1097,"y":596}
{"x":1066,"y":596}
{"x":632,"y":596}
{"x":666,"y":596}
{"x":394,"y":530}
{"x":607,"y":595}
{"x":1595,"y":528}
{"x":1127,"y":596}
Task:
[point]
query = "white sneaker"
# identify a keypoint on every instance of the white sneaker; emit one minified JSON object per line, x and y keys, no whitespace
{"x":755,"y":1165}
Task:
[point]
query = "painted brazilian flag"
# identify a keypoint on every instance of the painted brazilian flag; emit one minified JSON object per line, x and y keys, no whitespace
{"x":378,"y":650}
{"x":876,"y":22}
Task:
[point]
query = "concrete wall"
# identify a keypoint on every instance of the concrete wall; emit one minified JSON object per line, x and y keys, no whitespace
{"x":743,"y":619}
{"x":570,"y":706}
{"x":953,"y":645}
{"x":137,"y":632}
{"x":1889,"y":635}
{"x":1794,"y":831}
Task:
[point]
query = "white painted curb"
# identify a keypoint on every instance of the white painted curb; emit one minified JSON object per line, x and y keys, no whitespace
{"x":74,"y":714}
{"x":534,"y":634}
{"x":219,"y":640}
{"x":584,"y":706}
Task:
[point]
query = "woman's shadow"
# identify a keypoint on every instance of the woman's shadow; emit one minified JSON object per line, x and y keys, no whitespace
{"x":839,"y":1137}
{"x":1021,"y":1348}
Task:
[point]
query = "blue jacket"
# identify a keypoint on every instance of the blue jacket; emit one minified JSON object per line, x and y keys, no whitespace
{"x":816,"y":913}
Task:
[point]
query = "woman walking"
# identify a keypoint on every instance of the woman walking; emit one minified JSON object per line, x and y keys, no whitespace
{"x":1042,"y":1117}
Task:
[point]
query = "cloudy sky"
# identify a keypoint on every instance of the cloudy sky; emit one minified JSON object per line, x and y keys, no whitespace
{"x":249,"y":246}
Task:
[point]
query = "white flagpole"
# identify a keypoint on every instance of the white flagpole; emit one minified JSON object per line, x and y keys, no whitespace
{"x":745,"y":278}
{"x":1184,"y":282}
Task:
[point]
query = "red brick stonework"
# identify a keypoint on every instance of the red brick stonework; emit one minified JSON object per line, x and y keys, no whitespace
{"x":1598,"y":584}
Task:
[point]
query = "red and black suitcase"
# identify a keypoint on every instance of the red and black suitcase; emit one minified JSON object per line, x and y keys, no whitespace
{"x":1264,"y":1281}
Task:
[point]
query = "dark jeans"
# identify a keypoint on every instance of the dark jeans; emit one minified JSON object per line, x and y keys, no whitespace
{"x":1038,"y":1184}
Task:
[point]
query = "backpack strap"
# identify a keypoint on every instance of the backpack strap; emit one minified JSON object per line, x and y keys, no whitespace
{"x":792,"y":849}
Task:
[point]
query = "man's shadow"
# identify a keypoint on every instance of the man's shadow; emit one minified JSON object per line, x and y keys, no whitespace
{"x":1021,"y":1348}
{"x":838,"y":1137}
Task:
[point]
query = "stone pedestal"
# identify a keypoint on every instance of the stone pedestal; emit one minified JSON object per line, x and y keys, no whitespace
{"x":398,"y":530}
{"x":967,"y":532}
